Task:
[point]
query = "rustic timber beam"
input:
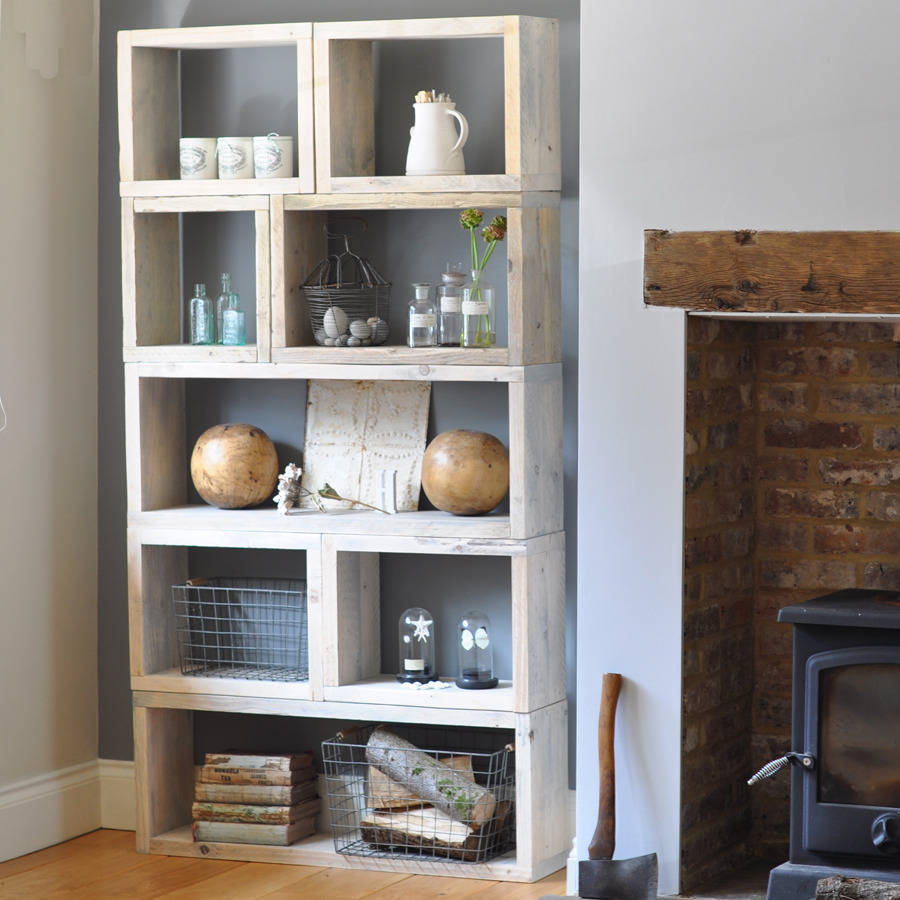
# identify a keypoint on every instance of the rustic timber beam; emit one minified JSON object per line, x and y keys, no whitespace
{"x":773,"y":271}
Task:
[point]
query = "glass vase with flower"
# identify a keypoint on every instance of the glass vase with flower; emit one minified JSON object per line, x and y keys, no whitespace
{"x":478,"y":296}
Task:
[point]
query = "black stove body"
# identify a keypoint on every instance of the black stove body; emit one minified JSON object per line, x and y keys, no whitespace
{"x":845,"y":803}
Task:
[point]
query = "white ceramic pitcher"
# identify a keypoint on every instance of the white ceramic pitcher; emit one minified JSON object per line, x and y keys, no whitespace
{"x":434,"y":147}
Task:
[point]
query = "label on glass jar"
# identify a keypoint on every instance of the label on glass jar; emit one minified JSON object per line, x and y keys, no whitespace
{"x":476,"y":308}
{"x":414,"y":665}
{"x":421,"y":320}
{"x":450,"y":304}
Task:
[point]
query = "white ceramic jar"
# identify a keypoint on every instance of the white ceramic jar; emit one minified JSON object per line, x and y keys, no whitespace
{"x":273,"y":156}
{"x":197,"y":158}
{"x":235,"y":155}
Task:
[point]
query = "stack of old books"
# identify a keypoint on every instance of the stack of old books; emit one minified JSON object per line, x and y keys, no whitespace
{"x":247,"y":798}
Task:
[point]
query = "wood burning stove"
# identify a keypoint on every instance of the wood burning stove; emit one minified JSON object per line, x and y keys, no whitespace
{"x":845,"y":783}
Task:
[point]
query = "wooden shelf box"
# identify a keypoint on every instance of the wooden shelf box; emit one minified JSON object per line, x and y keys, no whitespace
{"x":351,"y":612}
{"x":155,"y":301}
{"x":345,"y":103}
{"x":150,"y":93}
{"x":532,"y":282}
{"x":164,"y":771}
{"x":158,"y":455}
{"x":159,"y":559}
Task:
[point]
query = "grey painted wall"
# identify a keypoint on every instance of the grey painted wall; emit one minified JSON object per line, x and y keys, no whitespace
{"x":405,"y":246}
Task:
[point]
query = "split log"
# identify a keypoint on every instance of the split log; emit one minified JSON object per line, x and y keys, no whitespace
{"x":426,"y":777}
{"x":387,"y":794}
{"x":837,"y":887}
{"x":433,"y":832}
{"x":418,"y":829}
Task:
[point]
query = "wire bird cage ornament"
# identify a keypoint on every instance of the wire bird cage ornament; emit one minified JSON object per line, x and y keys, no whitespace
{"x":347,"y":299}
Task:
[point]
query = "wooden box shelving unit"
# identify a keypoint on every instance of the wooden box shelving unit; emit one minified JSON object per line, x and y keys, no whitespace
{"x":342,"y":551}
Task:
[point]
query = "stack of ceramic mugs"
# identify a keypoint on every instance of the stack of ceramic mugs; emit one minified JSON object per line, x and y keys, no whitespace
{"x":267,"y":156}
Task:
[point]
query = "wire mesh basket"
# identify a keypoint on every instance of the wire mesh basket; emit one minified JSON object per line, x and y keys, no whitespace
{"x":347,"y":300}
{"x":372,"y":814}
{"x":242,"y":628}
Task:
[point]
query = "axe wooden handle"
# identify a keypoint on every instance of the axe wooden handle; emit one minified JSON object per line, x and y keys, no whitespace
{"x":603,"y":843}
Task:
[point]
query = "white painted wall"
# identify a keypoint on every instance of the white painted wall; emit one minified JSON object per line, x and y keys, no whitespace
{"x":695,"y":114}
{"x":48,"y":381}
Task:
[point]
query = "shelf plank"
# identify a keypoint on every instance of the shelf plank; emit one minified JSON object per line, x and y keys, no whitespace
{"x":384,"y":690}
{"x":172,"y":680}
{"x":191,"y":525}
{"x":189,"y":353}
{"x":443,"y":199}
{"x":397,"y":354}
{"x":184,"y":367}
{"x":209,"y":187}
{"x":217,"y":202}
{"x":318,"y":850}
{"x":467,"y":184}
{"x":406,"y":29}
{"x":153,"y":193}
{"x":263,"y":705}
{"x":222,"y":37}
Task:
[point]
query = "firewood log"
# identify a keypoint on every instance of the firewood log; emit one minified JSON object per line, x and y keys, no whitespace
{"x":430,"y":779}
{"x":386,"y":794}
{"x":837,"y":887}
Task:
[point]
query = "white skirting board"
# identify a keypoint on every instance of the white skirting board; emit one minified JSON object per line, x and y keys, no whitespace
{"x":46,"y":809}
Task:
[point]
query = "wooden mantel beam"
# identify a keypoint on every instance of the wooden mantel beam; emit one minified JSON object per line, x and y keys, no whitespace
{"x":812,"y":272}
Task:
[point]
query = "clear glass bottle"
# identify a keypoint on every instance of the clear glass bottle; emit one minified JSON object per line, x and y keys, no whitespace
{"x":422,"y":317}
{"x":201,"y":317}
{"x":478,"y":329}
{"x":416,"y":646}
{"x":449,"y":302}
{"x":475,"y":652}
{"x":222,"y":302}
{"x":234,"y":332}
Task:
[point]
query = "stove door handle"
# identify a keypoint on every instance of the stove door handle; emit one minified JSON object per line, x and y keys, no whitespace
{"x":805,"y":760}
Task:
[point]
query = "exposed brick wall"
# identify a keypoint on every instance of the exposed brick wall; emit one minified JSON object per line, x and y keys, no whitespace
{"x":792,"y":489}
{"x":720,"y":489}
{"x":828,"y":490}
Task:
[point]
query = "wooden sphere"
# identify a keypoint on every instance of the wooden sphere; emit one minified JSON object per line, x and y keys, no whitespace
{"x":465,"y":472}
{"x":234,"y":466}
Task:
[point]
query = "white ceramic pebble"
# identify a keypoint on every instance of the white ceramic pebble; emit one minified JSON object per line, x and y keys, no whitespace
{"x":335,"y":322}
{"x":328,"y":342}
{"x":341,"y":341}
{"x":320,"y":336}
{"x":379,"y":330}
{"x":360,"y":329}
{"x":353,"y":342}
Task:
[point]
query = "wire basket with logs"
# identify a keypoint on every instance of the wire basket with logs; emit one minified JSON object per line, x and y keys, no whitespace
{"x":347,"y":300}
{"x":450,"y":796}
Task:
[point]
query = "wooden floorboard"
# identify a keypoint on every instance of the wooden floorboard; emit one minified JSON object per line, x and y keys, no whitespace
{"x":104,"y":865}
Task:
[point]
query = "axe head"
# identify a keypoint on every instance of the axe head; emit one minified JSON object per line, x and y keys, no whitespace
{"x":619,"y":879}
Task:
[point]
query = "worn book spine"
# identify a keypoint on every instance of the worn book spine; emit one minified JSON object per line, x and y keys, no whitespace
{"x":242,"y":775}
{"x":266,"y":794}
{"x":279,"y":762}
{"x":244,"y":833}
{"x":262,"y":815}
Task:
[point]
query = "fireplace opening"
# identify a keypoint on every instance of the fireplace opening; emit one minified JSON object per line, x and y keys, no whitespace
{"x":791,"y":491}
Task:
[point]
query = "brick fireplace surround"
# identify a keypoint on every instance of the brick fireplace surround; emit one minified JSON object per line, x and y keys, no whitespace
{"x":792,"y":489}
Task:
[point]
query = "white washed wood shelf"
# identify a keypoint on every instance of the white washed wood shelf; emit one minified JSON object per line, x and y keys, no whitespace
{"x":150,"y":92}
{"x":344,"y":104}
{"x":341,"y":551}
